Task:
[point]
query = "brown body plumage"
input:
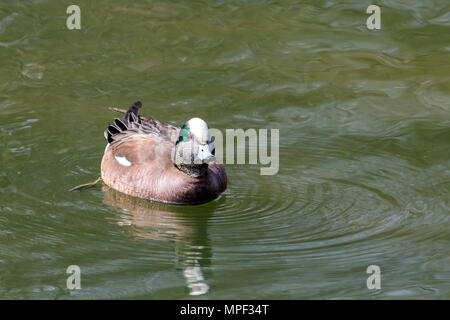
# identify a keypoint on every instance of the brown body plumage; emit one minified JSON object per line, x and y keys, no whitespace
{"x":147,"y":145}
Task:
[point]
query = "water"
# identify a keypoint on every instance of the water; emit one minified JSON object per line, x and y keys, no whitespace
{"x":364,"y":125}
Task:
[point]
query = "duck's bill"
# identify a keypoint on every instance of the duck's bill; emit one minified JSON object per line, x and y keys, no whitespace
{"x":205,"y":154}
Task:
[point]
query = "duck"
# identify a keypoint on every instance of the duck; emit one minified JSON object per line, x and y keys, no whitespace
{"x":158,"y":161}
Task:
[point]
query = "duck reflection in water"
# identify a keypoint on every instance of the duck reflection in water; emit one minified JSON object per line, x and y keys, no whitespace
{"x":183,"y":225}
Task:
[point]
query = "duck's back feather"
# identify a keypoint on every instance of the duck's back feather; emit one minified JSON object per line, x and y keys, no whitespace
{"x":132,"y":121}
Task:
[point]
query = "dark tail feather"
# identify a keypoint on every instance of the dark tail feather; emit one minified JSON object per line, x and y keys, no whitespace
{"x":119,"y":123}
{"x":126,"y":123}
{"x":134,"y":109}
{"x":113,"y":130}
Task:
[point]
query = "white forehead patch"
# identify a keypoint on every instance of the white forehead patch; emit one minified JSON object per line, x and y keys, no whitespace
{"x":199,"y":129}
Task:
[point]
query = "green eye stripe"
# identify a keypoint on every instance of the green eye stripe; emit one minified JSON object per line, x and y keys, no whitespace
{"x":182,"y":138}
{"x":183,"y":133}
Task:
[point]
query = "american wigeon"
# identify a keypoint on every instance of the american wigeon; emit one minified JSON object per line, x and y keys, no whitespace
{"x":153,"y":160}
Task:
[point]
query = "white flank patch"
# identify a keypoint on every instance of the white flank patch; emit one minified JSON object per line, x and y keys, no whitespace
{"x":199,"y":129}
{"x":123,"y":161}
{"x":106,"y":147}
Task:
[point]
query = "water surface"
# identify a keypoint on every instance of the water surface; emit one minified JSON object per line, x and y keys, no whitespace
{"x":364,"y":175}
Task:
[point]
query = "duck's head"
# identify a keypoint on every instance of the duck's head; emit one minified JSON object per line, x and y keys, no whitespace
{"x":194,"y":148}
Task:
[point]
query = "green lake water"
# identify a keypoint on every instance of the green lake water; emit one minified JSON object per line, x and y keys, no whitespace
{"x":364,"y":149}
